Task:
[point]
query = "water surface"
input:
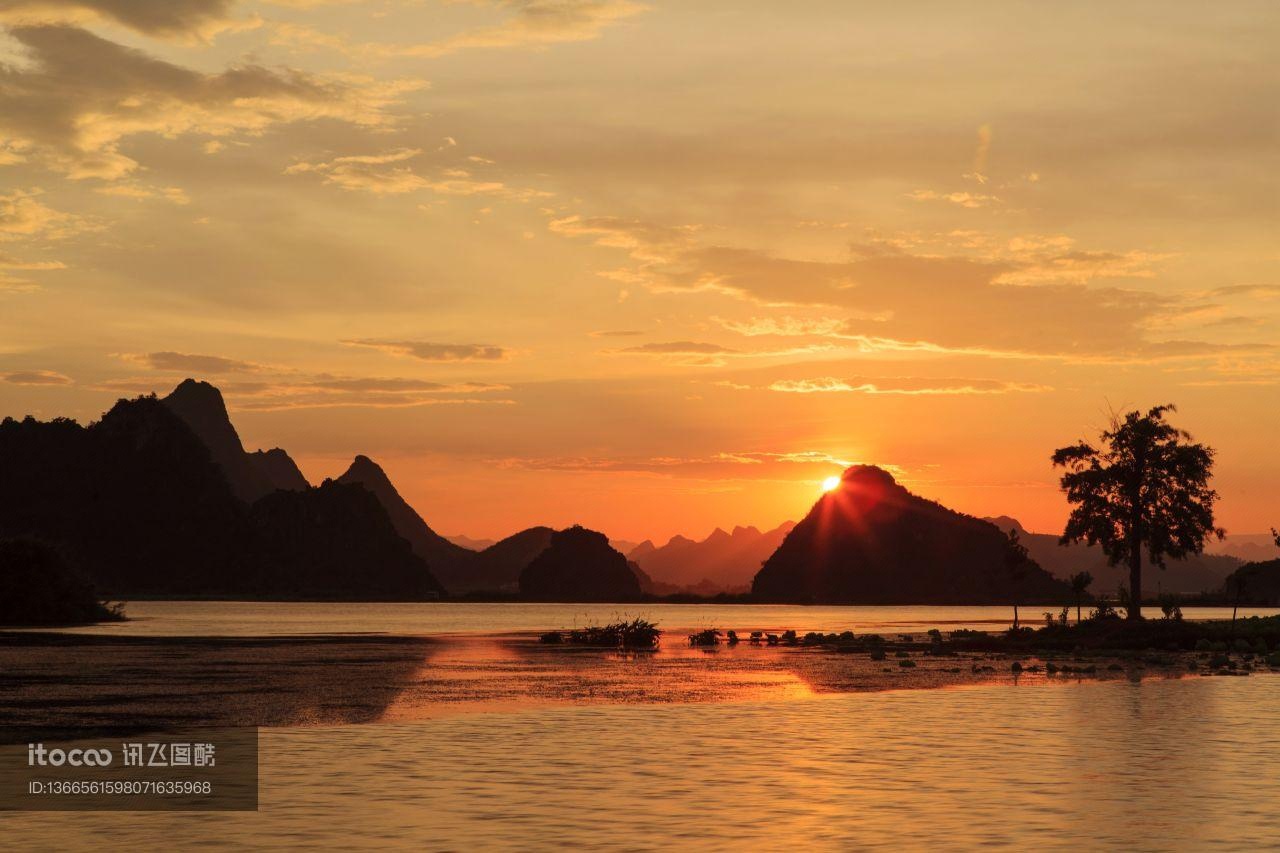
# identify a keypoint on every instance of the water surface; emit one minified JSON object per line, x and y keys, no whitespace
{"x":260,"y":618}
{"x":1152,"y":765}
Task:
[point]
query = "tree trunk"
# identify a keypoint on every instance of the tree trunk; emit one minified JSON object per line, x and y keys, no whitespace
{"x":1135,"y":582}
{"x":1015,"y":617}
{"x":1077,"y":611}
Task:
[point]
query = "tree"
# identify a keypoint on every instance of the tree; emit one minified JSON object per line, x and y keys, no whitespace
{"x":1079,"y":585}
{"x":1016,"y":562}
{"x":1146,"y":487}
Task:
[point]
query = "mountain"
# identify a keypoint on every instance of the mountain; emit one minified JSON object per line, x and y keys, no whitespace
{"x":280,"y":471}
{"x":450,"y":563}
{"x":201,"y":407}
{"x":723,"y":562}
{"x":1251,"y":547}
{"x":140,"y":504}
{"x":498,"y":567}
{"x":338,"y":541}
{"x":870,"y":541}
{"x":251,"y":475}
{"x":471,"y":544}
{"x":579,"y":565}
{"x":1255,"y":583}
{"x":1196,"y":573}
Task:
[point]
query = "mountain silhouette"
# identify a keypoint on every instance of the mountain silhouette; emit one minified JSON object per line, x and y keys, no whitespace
{"x":579,"y":565}
{"x":201,"y":407}
{"x":470,"y":543}
{"x":451,"y":564}
{"x":140,"y":503}
{"x":1195,"y":573}
{"x":870,"y":541}
{"x":337,"y":541}
{"x":1255,"y":583}
{"x":498,"y":567}
{"x":279,"y":469}
{"x":723,"y":562}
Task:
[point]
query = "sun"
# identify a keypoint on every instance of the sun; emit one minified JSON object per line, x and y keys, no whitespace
{"x":830,"y":484}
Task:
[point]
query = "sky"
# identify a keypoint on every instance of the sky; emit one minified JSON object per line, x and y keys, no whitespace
{"x":653,"y":267}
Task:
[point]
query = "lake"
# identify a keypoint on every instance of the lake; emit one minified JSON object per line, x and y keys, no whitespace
{"x":258,"y":618}
{"x":1133,"y":762}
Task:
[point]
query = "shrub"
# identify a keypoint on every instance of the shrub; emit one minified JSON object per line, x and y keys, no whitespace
{"x":633,"y":634}
{"x":38,"y":586}
{"x":708,"y":637}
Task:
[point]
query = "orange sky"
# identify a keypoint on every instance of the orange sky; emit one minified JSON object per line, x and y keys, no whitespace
{"x":652,"y":267}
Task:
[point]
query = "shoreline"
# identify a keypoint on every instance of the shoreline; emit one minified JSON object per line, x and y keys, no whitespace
{"x":62,"y":680}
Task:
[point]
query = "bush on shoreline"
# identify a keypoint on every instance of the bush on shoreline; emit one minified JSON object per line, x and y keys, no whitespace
{"x":628,"y":634}
{"x":38,"y":586}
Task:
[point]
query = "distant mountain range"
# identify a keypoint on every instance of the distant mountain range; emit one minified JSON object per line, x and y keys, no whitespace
{"x":1197,"y":573}
{"x":160,"y":497}
{"x":723,"y":562}
{"x":1255,"y":547}
{"x":870,"y":541}
{"x":471,"y":544}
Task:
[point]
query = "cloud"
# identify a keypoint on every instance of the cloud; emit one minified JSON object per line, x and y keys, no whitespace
{"x":80,"y":96}
{"x":24,"y":216}
{"x":1035,"y":296}
{"x":529,"y":24}
{"x":12,"y":263}
{"x":200,"y":19}
{"x":700,"y":354}
{"x":904,"y":385}
{"x":783,"y":326}
{"x":964,"y":199}
{"x":181,"y":362}
{"x":36,"y":377}
{"x":281,"y":392}
{"x":140,"y":192}
{"x":619,"y":333}
{"x":680,"y":348}
{"x":376,"y":173}
{"x":325,"y":391}
{"x":536,"y":23}
{"x":428,"y":351}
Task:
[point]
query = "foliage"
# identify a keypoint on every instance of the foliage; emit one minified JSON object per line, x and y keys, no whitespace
{"x":1145,"y":488}
{"x":707,"y":637}
{"x":38,"y":586}
{"x":630,"y":634}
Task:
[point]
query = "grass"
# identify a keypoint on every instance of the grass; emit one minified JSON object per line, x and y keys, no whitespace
{"x":628,"y":634}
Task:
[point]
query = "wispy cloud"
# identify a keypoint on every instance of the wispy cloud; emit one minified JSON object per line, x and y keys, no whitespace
{"x":528,"y":24}
{"x":430,"y":351}
{"x":380,"y":174}
{"x":194,"y":363}
{"x":904,"y":385}
{"x":36,"y":378}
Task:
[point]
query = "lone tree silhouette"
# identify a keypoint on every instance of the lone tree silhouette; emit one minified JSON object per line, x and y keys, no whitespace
{"x":1017,"y":563}
{"x":1146,"y":487}
{"x":1079,"y":584}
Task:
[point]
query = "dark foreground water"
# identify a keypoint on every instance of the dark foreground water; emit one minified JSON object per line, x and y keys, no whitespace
{"x":1151,"y":765}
